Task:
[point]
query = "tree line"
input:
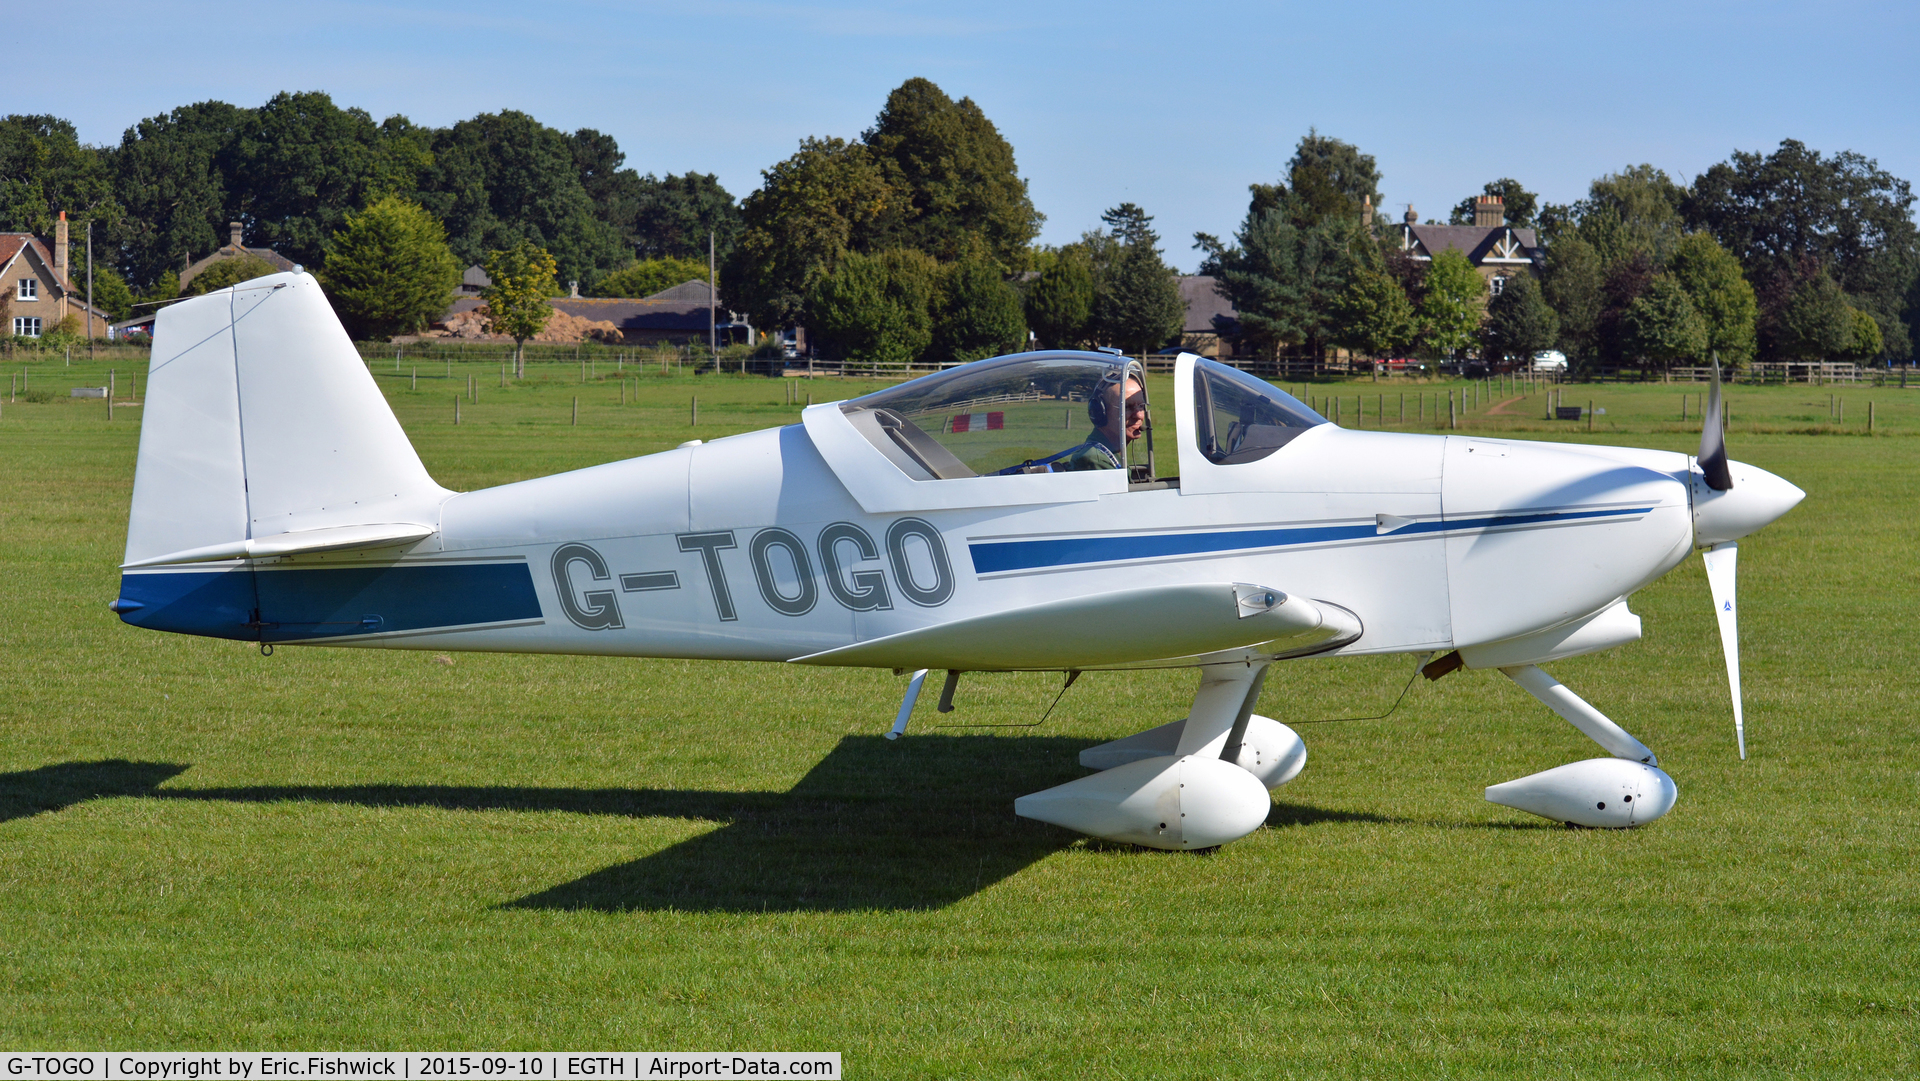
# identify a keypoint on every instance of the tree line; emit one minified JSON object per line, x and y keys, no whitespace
{"x":294,"y":170}
{"x":916,"y":240}
{"x":1792,"y":255}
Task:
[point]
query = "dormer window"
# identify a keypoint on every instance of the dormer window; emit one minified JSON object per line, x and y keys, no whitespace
{"x":29,"y":289}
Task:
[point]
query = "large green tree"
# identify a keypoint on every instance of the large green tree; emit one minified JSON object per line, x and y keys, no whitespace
{"x":168,"y":173}
{"x":654,"y":217}
{"x":1795,"y":214}
{"x":1286,"y":279}
{"x":1327,"y":179}
{"x":45,"y":170}
{"x":1137,"y":303}
{"x":1450,"y":311}
{"x":1571,"y":281}
{"x":523,"y":279}
{"x":111,"y":296}
{"x":977,"y":314}
{"x":957,"y":178}
{"x":645,"y":277}
{"x":299,"y":165}
{"x":1720,"y":292}
{"x":1373,"y":315}
{"x":876,"y":308}
{"x":1817,"y":323}
{"x":674,"y":214}
{"x":388,"y":270}
{"x":810,"y":211}
{"x":1520,"y":322}
{"x":503,"y":178}
{"x":1059,"y":303}
{"x":1662,"y":326}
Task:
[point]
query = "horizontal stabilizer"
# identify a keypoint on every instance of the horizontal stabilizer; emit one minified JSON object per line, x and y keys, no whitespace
{"x":1120,"y":627}
{"x":301,"y":542}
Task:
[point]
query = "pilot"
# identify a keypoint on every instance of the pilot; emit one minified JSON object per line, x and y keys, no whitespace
{"x":1118,"y":411}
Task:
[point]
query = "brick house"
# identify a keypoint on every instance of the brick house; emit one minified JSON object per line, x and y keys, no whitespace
{"x":1497,"y":250}
{"x":37,"y":291}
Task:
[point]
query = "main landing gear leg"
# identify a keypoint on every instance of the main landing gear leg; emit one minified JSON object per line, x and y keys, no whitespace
{"x":1194,"y":783}
{"x":1628,"y":789}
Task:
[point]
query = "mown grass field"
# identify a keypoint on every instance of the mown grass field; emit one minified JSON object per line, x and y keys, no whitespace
{"x":201,"y":847}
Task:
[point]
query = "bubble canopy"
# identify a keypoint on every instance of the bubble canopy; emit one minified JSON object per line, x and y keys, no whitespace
{"x":1044,"y":412}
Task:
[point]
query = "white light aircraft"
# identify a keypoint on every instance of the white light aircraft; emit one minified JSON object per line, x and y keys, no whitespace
{"x":1005,"y":515}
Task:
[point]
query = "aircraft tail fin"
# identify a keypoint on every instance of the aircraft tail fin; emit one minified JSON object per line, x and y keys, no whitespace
{"x":264,"y":434}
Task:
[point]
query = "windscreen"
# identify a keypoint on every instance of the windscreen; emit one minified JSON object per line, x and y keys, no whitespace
{"x":1243,"y":418}
{"x":1030,"y":413}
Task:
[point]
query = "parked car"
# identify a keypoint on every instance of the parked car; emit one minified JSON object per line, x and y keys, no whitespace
{"x":1553,"y":360}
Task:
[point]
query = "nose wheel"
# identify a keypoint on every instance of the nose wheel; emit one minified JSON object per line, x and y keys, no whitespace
{"x":1628,"y":789}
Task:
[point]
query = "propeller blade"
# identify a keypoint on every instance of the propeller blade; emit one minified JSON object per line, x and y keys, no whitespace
{"x":1720,"y":561}
{"x":1713,"y":443}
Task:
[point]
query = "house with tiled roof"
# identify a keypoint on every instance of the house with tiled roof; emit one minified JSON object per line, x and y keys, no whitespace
{"x":1497,"y":250}
{"x":234,"y":249}
{"x":36,"y":288}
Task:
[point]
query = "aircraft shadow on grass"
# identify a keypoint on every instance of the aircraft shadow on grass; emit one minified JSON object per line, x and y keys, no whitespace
{"x":917,"y":824}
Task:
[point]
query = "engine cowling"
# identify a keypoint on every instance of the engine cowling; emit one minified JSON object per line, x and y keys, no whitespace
{"x":1182,"y":802}
{"x":1608,"y":793}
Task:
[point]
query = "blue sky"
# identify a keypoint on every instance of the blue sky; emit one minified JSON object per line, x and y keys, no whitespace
{"x":1177,"y":107}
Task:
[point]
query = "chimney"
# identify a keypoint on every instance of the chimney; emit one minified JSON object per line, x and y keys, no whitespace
{"x":573,"y":290}
{"x":60,"y":249}
{"x":1489,"y":212}
{"x":233,"y":234}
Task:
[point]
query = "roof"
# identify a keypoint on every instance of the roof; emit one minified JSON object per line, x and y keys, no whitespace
{"x":266,"y":255}
{"x":1477,"y":242}
{"x":475,"y":279}
{"x":1206,"y":308}
{"x":687,"y":292}
{"x":10,"y":245}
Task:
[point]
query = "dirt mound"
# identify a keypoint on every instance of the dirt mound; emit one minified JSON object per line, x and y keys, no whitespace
{"x":561,"y":327}
{"x":571,"y":328}
{"x":468,"y":324}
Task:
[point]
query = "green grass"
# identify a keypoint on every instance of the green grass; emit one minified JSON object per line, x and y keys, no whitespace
{"x":202,"y":847}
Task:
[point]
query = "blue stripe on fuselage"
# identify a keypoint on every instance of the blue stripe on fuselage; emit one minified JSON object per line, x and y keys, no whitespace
{"x":998,"y":557}
{"x":305,"y":603}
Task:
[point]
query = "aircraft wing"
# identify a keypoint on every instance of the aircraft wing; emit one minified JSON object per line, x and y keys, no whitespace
{"x":1106,"y":629}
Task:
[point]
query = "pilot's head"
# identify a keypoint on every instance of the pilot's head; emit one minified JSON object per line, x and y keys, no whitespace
{"x":1123,"y":402}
